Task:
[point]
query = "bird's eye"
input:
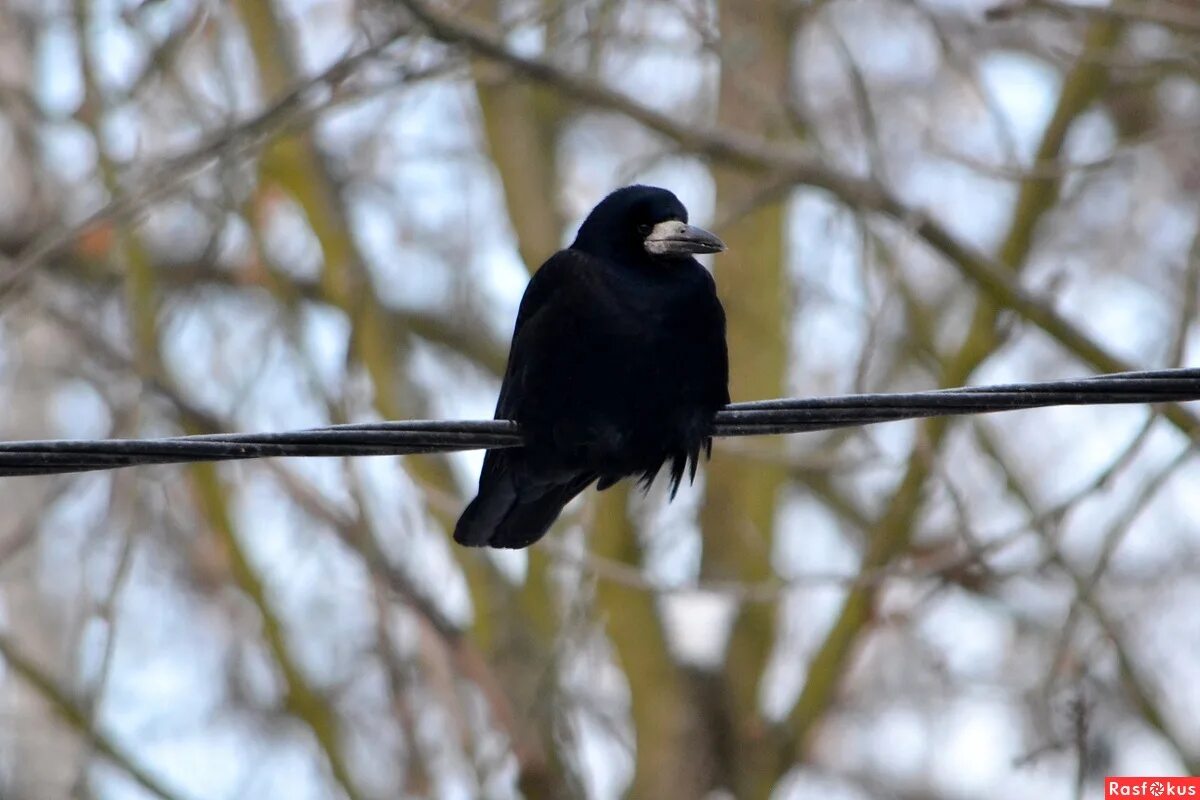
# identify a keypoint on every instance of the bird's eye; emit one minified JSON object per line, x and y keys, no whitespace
{"x":645,"y":228}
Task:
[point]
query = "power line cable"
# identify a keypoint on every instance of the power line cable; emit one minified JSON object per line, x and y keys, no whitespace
{"x":762,"y":417}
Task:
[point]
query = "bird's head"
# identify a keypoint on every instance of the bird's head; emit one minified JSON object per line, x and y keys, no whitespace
{"x":640,"y":224}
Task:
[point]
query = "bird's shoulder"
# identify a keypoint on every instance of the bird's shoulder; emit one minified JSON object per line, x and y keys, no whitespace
{"x":574,"y":288}
{"x":566,"y":274}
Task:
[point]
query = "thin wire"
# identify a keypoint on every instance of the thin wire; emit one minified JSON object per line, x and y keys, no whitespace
{"x":763,"y":417}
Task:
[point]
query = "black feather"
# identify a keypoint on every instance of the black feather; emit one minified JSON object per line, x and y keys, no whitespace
{"x":618,"y":365}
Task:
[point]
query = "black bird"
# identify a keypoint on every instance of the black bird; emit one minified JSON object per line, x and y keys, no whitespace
{"x":618,"y":365}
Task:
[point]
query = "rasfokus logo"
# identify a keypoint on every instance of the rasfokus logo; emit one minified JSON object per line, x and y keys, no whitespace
{"x":1141,"y":786}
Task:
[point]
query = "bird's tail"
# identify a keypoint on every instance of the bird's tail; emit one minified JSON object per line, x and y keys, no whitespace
{"x":502,"y":515}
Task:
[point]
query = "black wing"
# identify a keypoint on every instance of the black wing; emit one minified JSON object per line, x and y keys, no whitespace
{"x":517,"y":502}
{"x":553,"y":278}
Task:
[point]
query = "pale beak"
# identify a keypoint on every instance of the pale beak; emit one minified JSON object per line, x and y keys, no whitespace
{"x":675,"y":238}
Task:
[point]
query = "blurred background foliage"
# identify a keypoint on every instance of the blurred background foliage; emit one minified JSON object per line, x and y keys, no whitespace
{"x":256,"y":215}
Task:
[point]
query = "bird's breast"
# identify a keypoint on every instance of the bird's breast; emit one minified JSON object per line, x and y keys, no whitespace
{"x":627,"y":371}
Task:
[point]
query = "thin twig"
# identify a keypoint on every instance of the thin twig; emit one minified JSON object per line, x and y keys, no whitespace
{"x":77,"y":718}
{"x":165,"y":176}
